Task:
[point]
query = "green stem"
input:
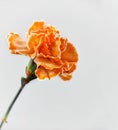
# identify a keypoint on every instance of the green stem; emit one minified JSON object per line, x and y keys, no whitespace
{"x":30,"y":75}
{"x":23,"y":83}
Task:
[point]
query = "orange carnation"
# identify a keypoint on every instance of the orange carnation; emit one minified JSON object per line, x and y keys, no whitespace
{"x":53,"y":54}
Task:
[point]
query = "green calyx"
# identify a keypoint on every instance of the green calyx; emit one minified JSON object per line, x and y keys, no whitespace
{"x":30,"y":69}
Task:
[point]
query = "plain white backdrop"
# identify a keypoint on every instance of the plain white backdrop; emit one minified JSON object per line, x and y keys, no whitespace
{"x":90,"y":100}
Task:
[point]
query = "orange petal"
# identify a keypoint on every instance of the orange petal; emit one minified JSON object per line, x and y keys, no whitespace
{"x":69,"y":67}
{"x":34,"y":41}
{"x":72,"y":67}
{"x":17,"y":45}
{"x":44,"y":48}
{"x":48,"y":62}
{"x":63,"y":44}
{"x":70,"y":53}
{"x":36,"y":26}
{"x":48,"y":48}
{"x":65,"y":76}
{"x":55,"y":48}
{"x":41,"y":73}
{"x":53,"y":73}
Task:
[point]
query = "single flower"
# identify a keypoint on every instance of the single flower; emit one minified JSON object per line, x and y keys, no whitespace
{"x":53,"y":54}
{"x":50,"y":55}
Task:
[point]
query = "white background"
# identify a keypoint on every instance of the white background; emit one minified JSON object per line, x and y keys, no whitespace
{"x":90,"y":100}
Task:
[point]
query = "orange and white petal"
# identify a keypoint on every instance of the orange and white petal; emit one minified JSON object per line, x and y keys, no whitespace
{"x":63,"y":44}
{"x":53,"y":73}
{"x":68,"y":66}
{"x":34,"y":40}
{"x":67,"y":71}
{"x":55,"y":48}
{"x":72,"y":67}
{"x":17,"y":45}
{"x":43,"y":48}
{"x":65,"y":76}
{"x":70,"y":53}
{"x":41,"y":73}
{"x":48,"y":62}
{"x":35,"y":27}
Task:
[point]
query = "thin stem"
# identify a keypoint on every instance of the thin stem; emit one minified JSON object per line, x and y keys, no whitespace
{"x":4,"y":119}
{"x":30,"y":75}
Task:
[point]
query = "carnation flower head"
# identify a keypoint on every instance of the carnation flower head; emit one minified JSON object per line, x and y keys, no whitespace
{"x":52,"y":54}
